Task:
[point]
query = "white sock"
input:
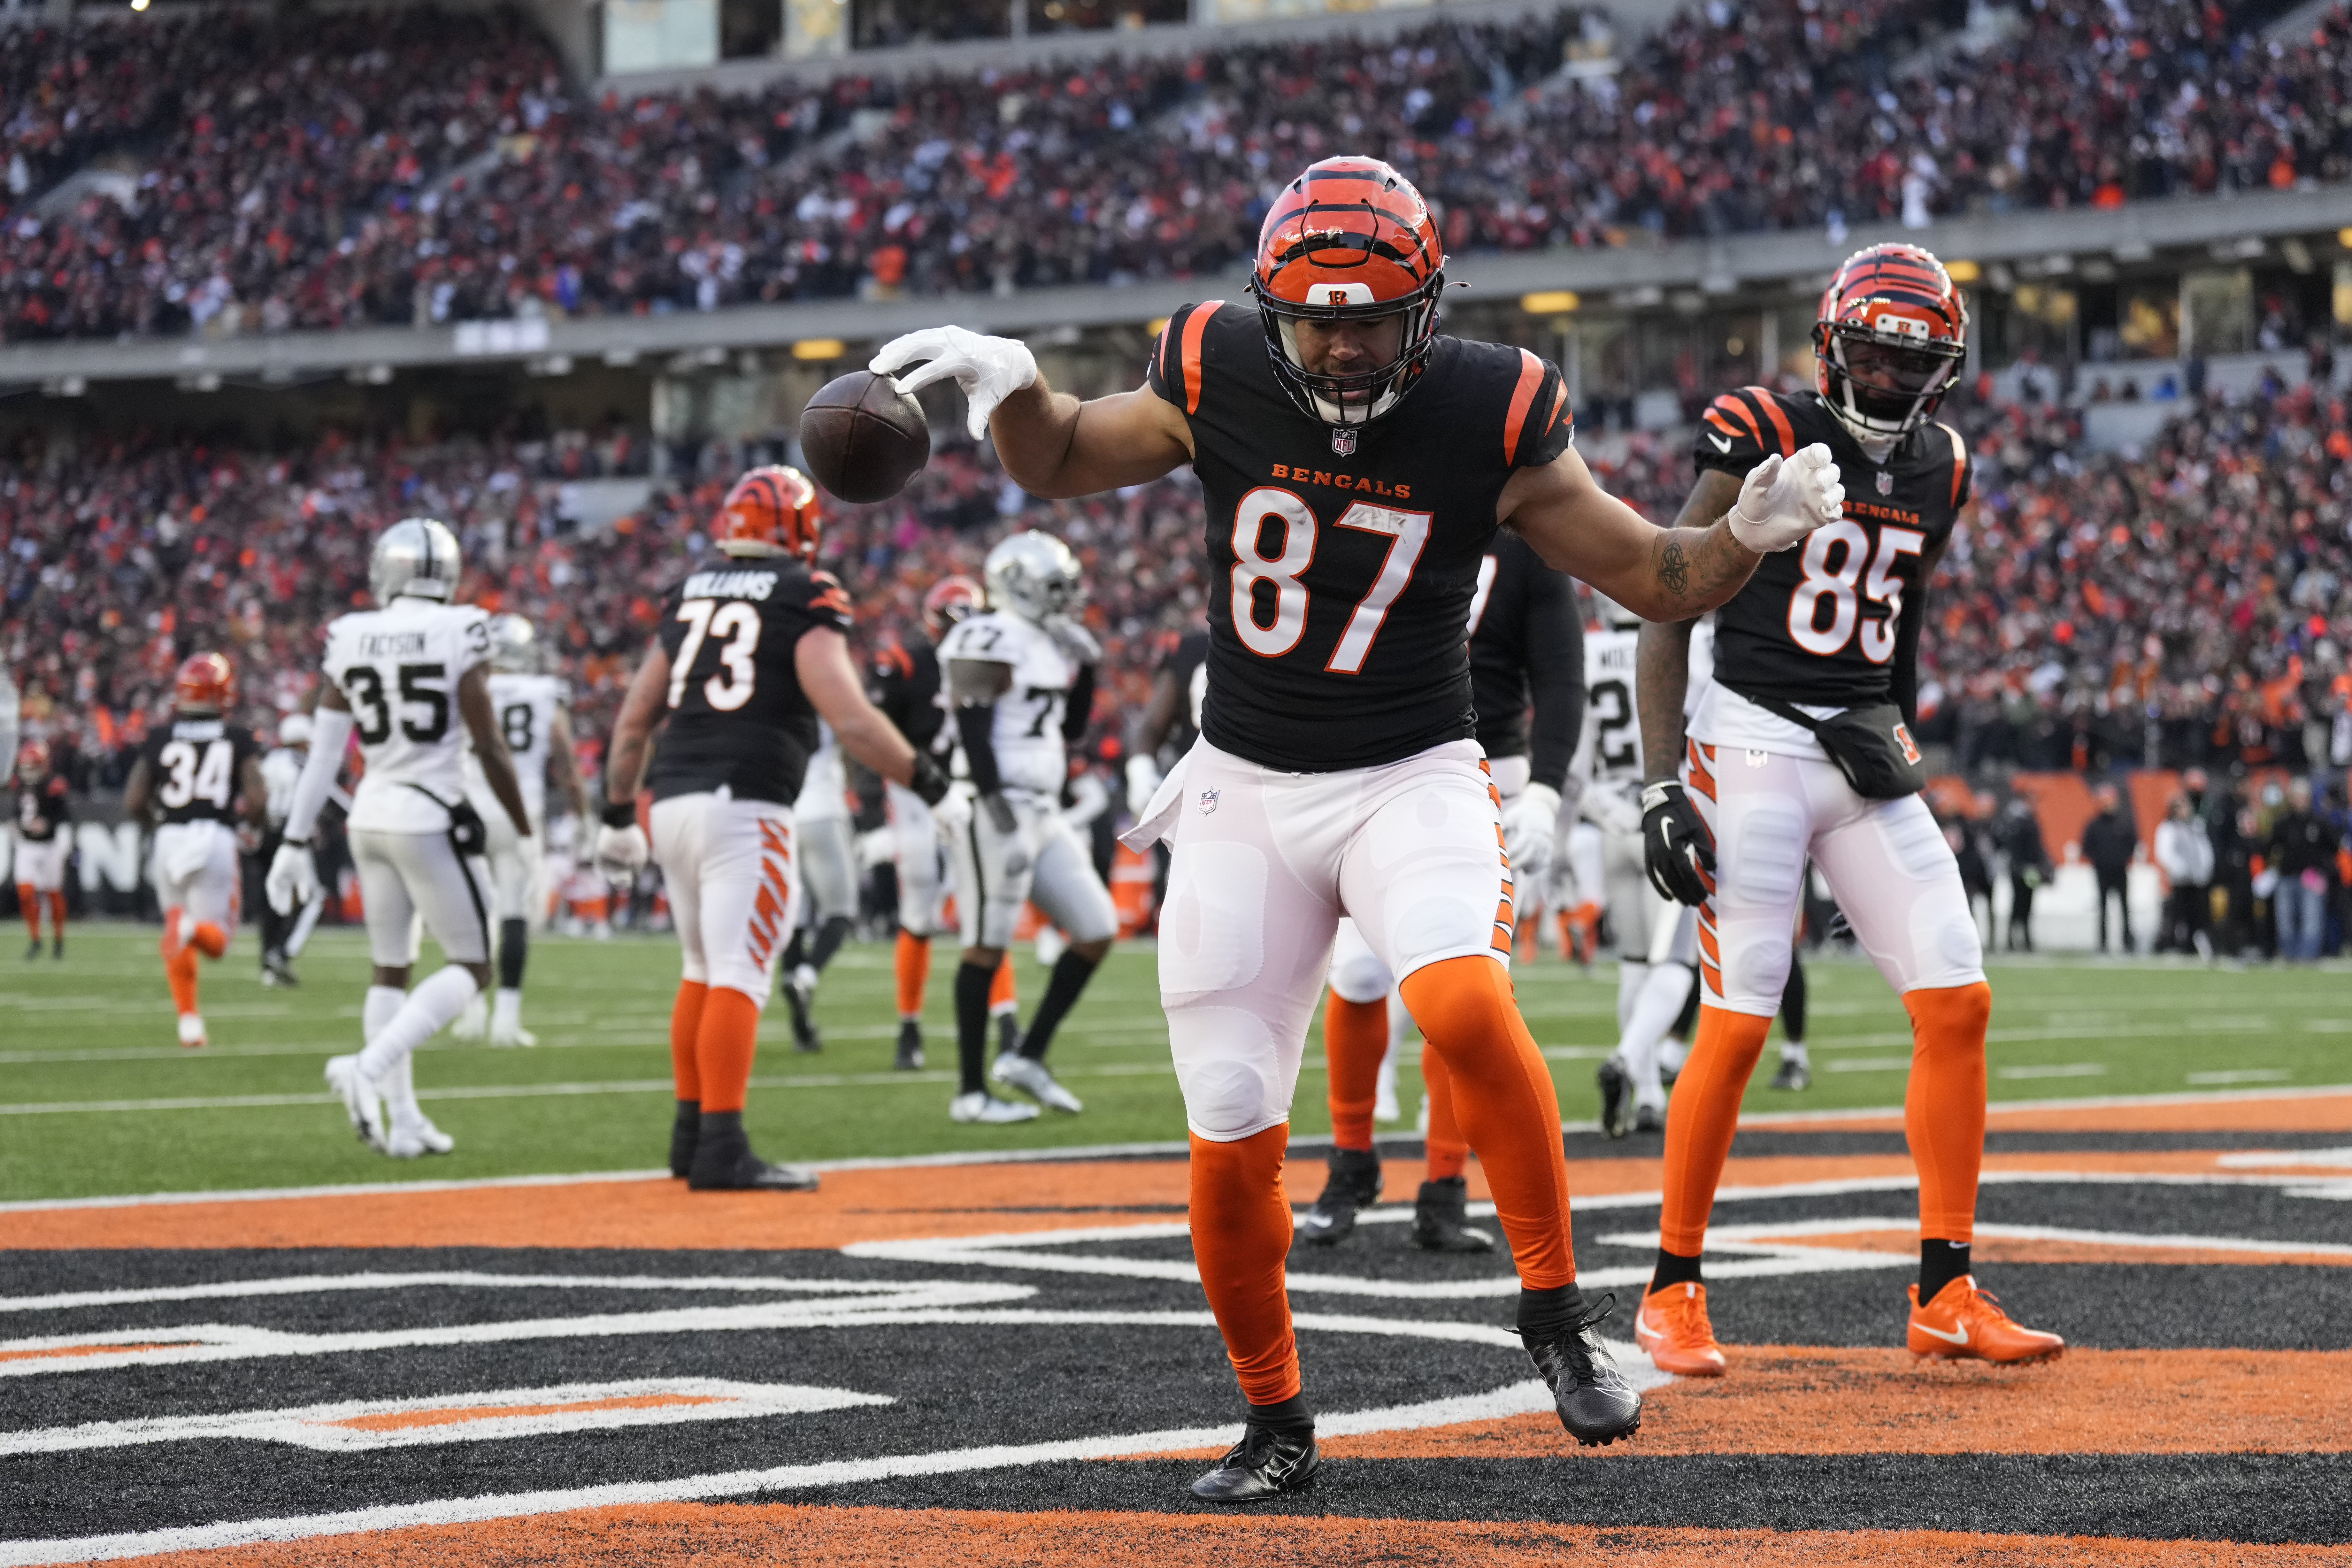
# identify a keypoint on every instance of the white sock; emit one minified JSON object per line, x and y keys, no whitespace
{"x":399,"y":1086}
{"x":1631,"y":973}
{"x":1672,"y":1053}
{"x":507,"y":1011}
{"x":1794,"y":1051}
{"x":382,"y":1003}
{"x":429,"y":1009}
{"x":1663,"y":989}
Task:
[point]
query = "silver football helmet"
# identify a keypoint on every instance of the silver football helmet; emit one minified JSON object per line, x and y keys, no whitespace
{"x":415,"y":557}
{"x":514,"y":646}
{"x":1034,"y":575}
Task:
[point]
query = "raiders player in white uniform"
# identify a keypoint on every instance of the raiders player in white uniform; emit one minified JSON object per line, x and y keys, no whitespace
{"x":1020,"y":681}
{"x":410,"y":678}
{"x":828,"y":879}
{"x":283,"y":939}
{"x":534,"y":715}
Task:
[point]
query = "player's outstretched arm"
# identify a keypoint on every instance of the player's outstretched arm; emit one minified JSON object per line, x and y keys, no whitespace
{"x":1661,"y":657}
{"x":632,"y":731}
{"x":490,"y":746}
{"x":1053,"y":445}
{"x":821,"y":659}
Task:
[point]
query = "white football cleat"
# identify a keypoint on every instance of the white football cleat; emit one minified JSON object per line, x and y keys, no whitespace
{"x":1032,"y":1078}
{"x":408,"y":1143}
{"x":981,"y":1106}
{"x":192,"y":1031}
{"x":511,"y":1034}
{"x":361,"y":1098}
{"x":474,"y":1022}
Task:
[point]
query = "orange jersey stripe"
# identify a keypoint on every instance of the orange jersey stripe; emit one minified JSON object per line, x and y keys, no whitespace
{"x":1731,"y":402}
{"x":1194,"y":325}
{"x":1772,"y":411}
{"x":1959,"y":462}
{"x":1523,"y":396}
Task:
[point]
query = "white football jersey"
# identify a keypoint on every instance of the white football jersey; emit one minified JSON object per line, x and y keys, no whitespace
{"x":1610,"y":749}
{"x":398,"y":669}
{"x":825,"y":787}
{"x":526,"y":706}
{"x":1027,"y":734}
{"x":280,"y":771}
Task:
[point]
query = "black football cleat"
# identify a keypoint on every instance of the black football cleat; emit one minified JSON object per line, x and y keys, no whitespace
{"x":1355,"y":1180}
{"x":58,"y":948}
{"x":1792,"y":1075}
{"x":1008,"y":1034}
{"x":910,"y":1047}
{"x":684,"y":1132}
{"x":1438,"y":1223}
{"x":33,"y":951}
{"x":1595,"y":1403}
{"x":1616,"y":1098}
{"x":723,"y":1161}
{"x":804,"y":1034}
{"x":1264,"y":1464}
{"x":1649,"y":1119}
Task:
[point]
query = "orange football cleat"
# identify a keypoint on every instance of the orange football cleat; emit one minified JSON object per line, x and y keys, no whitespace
{"x":1964,"y":1323}
{"x":1672,"y":1328}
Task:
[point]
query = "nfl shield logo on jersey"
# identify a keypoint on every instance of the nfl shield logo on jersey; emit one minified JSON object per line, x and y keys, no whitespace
{"x":1886,"y":483}
{"x":1343,"y":440}
{"x":1208,"y":799}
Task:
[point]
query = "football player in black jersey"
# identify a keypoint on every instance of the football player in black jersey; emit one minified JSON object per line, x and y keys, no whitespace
{"x":188,"y":777}
{"x":1815,"y":677}
{"x":749,"y":655}
{"x":904,"y":683}
{"x":42,"y":821}
{"x":1355,"y":466}
{"x":1527,"y":653}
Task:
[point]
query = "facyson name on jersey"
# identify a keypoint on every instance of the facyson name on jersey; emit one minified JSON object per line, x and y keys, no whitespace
{"x":392,"y":645}
{"x":730,"y":585}
{"x":1342,"y":481}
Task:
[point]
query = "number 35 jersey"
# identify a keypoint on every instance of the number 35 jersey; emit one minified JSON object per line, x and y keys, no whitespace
{"x":1818,"y":623}
{"x":398,"y":669}
{"x":197,"y":767}
{"x":1342,"y":562}
{"x":737,"y":717}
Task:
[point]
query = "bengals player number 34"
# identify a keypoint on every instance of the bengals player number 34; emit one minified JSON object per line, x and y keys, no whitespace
{"x":1355,"y":465}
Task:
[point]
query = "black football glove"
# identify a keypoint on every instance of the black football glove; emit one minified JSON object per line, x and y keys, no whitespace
{"x":1676,"y":846}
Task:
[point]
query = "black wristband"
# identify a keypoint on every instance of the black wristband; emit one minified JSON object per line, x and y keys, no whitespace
{"x":931,"y":782}
{"x":621,"y":813}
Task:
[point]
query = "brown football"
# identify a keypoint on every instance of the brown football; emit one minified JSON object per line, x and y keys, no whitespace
{"x":863,"y":439}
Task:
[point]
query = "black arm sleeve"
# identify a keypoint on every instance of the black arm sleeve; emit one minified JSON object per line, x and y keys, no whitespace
{"x":1903,"y":678}
{"x":1555,"y":660}
{"x":1080,"y":710}
{"x":974,"y":725}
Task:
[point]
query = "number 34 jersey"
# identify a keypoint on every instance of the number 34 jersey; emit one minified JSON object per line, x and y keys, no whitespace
{"x":1343,"y":561}
{"x":196,"y":766}
{"x":398,"y":669}
{"x":737,"y":717}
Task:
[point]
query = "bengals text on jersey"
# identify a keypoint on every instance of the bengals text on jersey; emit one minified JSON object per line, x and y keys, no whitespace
{"x":1344,"y":558}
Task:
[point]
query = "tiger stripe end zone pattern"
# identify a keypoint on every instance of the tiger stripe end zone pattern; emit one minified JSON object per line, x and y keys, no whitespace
{"x":1013,"y":1361}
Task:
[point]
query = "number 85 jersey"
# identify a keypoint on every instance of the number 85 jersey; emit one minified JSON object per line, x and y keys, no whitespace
{"x":1343,"y":560}
{"x":1818,"y":623}
{"x":398,"y":669}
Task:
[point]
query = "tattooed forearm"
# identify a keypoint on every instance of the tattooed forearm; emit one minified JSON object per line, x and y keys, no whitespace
{"x":1660,"y":677}
{"x":1698,"y":569}
{"x":1673,"y":572}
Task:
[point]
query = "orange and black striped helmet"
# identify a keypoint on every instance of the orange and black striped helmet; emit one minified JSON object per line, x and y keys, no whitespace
{"x":949,"y":600}
{"x":772,"y":510}
{"x":205,"y":683}
{"x":1891,"y":336}
{"x":1350,"y":239}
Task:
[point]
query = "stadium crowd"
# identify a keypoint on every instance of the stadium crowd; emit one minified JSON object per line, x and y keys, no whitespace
{"x":335,"y":171}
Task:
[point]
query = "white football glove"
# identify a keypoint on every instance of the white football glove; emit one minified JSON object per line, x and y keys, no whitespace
{"x":293,"y":879}
{"x":621,"y":854}
{"x":1529,"y":825}
{"x":1142,"y":784}
{"x":952,"y":813}
{"x":1781,"y":501}
{"x":989,"y":370}
{"x":1612,"y":810}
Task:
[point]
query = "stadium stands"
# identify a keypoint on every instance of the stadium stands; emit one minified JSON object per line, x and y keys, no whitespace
{"x":332,"y":172}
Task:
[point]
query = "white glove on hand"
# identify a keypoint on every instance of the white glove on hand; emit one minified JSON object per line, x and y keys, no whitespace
{"x":952,"y":814}
{"x":1142,"y":784}
{"x":621,"y":854}
{"x":989,"y":370}
{"x":1074,"y":639}
{"x":1613,"y":809}
{"x":293,"y":879}
{"x":1781,"y":501}
{"x":1529,"y":825}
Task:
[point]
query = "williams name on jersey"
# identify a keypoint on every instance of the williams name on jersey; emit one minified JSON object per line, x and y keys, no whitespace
{"x":1822,"y":623}
{"x":737,"y":717}
{"x":398,"y":669}
{"x":1344,"y":559}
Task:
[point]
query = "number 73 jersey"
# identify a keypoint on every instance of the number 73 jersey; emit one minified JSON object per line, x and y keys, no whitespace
{"x":398,"y":669}
{"x":1818,"y":623}
{"x":1343,"y":560}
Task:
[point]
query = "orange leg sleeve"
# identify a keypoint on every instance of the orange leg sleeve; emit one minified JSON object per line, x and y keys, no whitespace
{"x":1504,"y":1102}
{"x":1000,"y":989}
{"x":1241,"y":1235}
{"x":1944,"y":1112}
{"x":1700,"y":1121}
{"x":179,"y":969}
{"x":1355,"y":1038}
{"x":913,"y":961}
{"x":210,"y":940}
{"x":684,"y":1037}
{"x":56,"y":912}
{"x":1447,"y":1150}
{"x":29,"y":901}
{"x":723,"y":1045}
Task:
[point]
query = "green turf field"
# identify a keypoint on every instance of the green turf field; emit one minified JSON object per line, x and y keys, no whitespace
{"x":97,"y":1098}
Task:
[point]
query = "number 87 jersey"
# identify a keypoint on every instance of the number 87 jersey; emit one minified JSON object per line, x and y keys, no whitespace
{"x":1819,"y":624}
{"x":398,"y":669}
